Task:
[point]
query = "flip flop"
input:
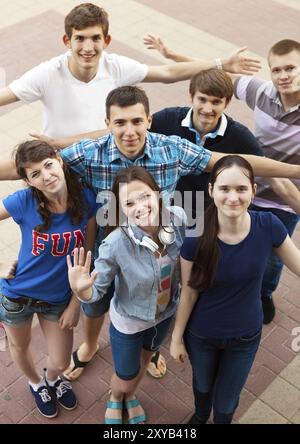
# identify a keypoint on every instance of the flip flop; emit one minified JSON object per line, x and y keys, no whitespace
{"x":140,"y":419}
{"x":153,"y":366}
{"x":77,"y":364}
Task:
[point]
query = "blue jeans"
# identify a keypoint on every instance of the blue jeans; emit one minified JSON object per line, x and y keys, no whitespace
{"x":220,"y":370}
{"x":15,"y":314}
{"x":127,"y":348}
{"x":274,"y":267}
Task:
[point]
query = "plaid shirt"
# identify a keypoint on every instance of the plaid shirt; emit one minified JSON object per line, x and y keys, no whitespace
{"x":167,"y":158}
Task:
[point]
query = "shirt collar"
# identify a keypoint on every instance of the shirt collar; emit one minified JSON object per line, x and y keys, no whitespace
{"x":115,"y":154}
{"x":187,"y":122}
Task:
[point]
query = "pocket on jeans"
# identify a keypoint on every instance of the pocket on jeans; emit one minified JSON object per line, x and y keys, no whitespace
{"x":11,"y":307}
{"x":250,"y":338}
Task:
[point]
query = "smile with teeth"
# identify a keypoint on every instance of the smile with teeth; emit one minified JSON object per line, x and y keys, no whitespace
{"x":143,"y":215}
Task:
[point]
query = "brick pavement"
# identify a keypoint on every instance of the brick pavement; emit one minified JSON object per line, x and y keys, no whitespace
{"x":30,"y":32}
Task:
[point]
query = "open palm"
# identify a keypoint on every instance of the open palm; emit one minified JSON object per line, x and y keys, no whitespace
{"x":79,"y":273}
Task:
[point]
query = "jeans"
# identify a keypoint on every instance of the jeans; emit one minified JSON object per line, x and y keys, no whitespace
{"x":220,"y":370}
{"x":274,"y":267}
{"x":127,"y":348}
{"x":15,"y":314}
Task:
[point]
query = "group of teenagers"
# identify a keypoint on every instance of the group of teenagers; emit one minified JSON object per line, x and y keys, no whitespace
{"x":146,"y":266}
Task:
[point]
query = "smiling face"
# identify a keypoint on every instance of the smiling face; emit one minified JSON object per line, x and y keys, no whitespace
{"x":46,"y":176}
{"x":140,"y":204}
{"x":207,"y":110}
{"x":285,"y":72}
{"x":86,"y":46}
{"x":129,"y":126}
{"x":232,"y":192}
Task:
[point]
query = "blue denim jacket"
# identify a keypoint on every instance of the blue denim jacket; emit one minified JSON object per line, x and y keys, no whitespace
{"x":135,"y":271}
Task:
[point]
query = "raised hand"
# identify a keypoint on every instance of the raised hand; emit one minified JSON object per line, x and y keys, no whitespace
{"x":237,"y":63}
{"x":81,"y":281}
{"x":155,"y":42}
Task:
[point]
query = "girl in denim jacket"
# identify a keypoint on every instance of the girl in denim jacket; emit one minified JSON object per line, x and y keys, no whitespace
{"x":141,"y":255}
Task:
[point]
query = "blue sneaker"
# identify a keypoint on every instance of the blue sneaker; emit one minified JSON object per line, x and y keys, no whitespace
{"x":63,"y":391}
{"x":45,"y":401}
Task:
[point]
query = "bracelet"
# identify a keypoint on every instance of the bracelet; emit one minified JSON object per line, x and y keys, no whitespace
{"x":218,"y":63}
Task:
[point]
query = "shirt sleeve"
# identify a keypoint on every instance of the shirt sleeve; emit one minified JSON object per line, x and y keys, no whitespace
{"x":126,"y":71}
{"x":107,"y":267}
{"x":17,"y":203}
{"x":193,"y":158}
{"x":189,"y":248}
{"x":279,"y":231}
{"x":32,"y":85}
{"x":248,"y":143}
{"x":90,"y":198}
{"x":245,"y":88}
{"x":74,"y":156}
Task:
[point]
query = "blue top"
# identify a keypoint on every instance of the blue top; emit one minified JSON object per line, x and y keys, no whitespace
{"x":229,"y":137}
{"x":232,"y":306}
{"x":42,"y":271}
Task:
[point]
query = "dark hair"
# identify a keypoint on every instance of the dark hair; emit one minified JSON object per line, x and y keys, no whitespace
{"x":213,"y":82}
{"x":36,"y":151}
{"x":85,"y":15}
{"x":207,"y":255}
{"x":284,"y":47}
{"x":127,"y":96}
{"x":128,"y":175}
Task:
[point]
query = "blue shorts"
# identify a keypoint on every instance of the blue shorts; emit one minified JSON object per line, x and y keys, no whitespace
{"x":99,"y":308}
{"x":15,"y":314}
{"x":127,"y":349}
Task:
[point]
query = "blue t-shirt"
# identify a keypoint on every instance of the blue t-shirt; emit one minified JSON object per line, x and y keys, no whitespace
{"x":232,"y":306}
{"x":42,"y":271}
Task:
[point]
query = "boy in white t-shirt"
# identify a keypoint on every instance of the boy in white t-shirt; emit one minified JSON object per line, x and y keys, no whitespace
{"x":73,"y":88}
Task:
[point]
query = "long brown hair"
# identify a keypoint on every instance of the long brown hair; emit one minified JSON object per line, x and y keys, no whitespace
{"x":127,"y":175}
{"x":34,"y":151}
{"x":207,"y":255}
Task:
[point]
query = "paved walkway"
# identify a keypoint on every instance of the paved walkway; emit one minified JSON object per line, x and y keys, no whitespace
{"x":30,"y":31}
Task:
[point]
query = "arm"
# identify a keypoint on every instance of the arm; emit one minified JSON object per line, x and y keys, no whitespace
{"x":262,"y":166}
{"x":235,"y":63}
{"x":188,"y":299}
{"x":7,"y":267}
{"x":287,"y":191}
{"x":90,"y":235}
{"x":153,"y":42}
{"x":8,"y":169}
{"x":68,"y":141}
{"x":290,"y":255}
{"x":7,"y":97}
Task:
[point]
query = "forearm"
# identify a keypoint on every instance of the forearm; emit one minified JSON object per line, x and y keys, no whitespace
{"x":68,"y":141}
{"x":288,"y":192}
{"x":290,"y":255}
{"x":8,"y":170}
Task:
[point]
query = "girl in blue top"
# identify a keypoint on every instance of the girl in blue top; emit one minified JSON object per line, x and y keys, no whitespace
{"x":55,"y":215}
{"x":141,"y":256}
{"x":219,"y":319}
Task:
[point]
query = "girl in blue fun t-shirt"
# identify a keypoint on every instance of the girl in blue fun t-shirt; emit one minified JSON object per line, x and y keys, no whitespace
{"x":219,"y":319}
{"x":55,"y":215}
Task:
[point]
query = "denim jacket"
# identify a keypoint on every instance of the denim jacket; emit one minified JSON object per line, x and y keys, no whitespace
{"x":135,"y":270}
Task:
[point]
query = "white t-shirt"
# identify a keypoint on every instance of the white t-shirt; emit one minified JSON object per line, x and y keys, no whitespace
{"x":71,"y":106}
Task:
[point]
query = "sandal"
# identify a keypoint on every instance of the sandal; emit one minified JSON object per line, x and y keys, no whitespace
{"x":140,"y":419}
{"x":76,"y":364}
{"x":114,"y":405}
{"x":155,"y":366}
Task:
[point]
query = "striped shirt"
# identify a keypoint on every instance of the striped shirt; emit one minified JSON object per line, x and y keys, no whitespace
{"x":277,"y":130}
{"x":167,"y":158}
